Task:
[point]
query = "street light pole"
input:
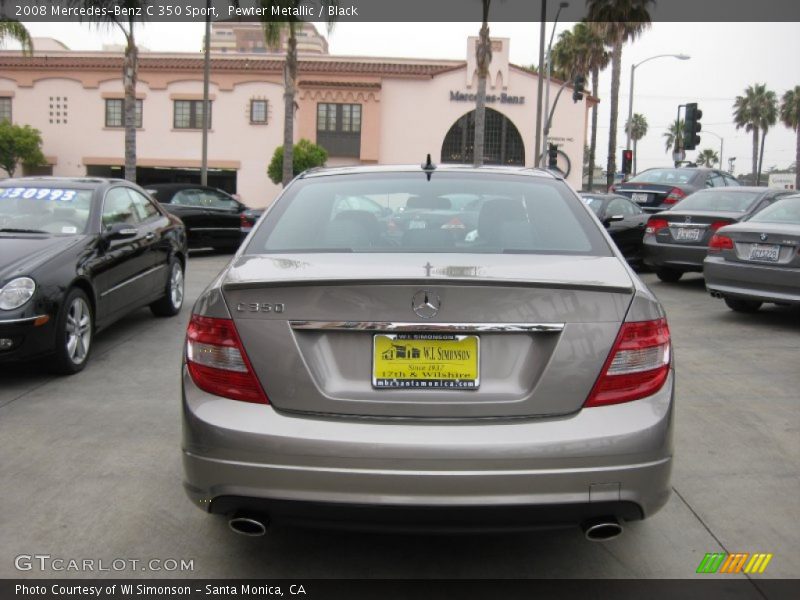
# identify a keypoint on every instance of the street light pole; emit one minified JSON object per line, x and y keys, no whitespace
{"x":539,"y":82}
{"x":721,"y":142}
{"x":549,"y":62}
{"x":630,"y":95}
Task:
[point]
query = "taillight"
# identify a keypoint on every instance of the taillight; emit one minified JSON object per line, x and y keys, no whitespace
{"x":717,"y":224}
{"x":245,"y":223}
{"x":217,"y":361}
{"x":637,"y":366}
{"x":675,"y":194}
{"x":718,"y":243}
{"x":655,"y":225}
{"x":612,"y":188}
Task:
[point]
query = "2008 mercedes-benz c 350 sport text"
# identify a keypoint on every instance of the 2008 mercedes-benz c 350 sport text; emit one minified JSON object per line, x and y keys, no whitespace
{"x":511,"y":374}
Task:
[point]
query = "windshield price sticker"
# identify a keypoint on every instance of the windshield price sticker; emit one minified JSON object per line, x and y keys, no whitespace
{"x":51,"y":194}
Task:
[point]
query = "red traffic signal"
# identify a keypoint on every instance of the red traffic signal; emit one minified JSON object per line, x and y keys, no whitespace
{"x":627,"y":161}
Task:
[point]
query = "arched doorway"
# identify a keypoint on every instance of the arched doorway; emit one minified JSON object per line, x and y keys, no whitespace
{"x":502,"y":143}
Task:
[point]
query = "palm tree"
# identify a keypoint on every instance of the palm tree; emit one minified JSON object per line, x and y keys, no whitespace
{"x":707,"y":158}
{"x":581,"y":52}
{"x":15,"y":31}
{"x":617,"y":21}
{"x":790,"y":116}
{"x":769,"y":117}
{"x":130,"y":65}
{"x":483,"y":56}
{"x":272,"y":37}
{"x":752,"y":112}
{"x":674,"y":132}
{"x":638,"y":129}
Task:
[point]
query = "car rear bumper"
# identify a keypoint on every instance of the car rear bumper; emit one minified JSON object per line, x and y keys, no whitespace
{"x":612,"y":461}
{"x":28,"y":340}
{"x":675,"y":256}
{"x":765,"y":283}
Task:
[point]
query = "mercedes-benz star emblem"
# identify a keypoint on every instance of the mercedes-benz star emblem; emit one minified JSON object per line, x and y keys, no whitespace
{"x":426,"y":304}
{"x":688,"y":219}
{"x":763,"y":237}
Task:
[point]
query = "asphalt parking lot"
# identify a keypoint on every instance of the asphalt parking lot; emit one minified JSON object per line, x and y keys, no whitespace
{"x":90,"y":467}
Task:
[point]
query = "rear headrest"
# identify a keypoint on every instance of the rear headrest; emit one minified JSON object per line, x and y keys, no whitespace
{"x":496,"y":213}
{"x":428,"y":202}
{"x":351,"y":228}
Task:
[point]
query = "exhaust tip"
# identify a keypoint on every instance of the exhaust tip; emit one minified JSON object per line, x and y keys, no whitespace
{"x":248,"y":526}
{"x":601,"y":530}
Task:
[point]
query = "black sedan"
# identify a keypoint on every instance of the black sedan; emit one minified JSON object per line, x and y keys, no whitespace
{"x":661,"y":188}
{"x":213,"y":218}
{"x":624,"y":220}
{"x":76,"y":254}
{"x":676,"y":240}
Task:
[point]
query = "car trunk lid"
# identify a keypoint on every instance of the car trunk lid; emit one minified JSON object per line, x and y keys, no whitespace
{"x":542,"y":327}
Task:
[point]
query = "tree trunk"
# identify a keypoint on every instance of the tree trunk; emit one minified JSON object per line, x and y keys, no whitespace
{"x":755,"y":153}
{"x":635,"y":154}
{"x":483,"y":54}
{"x":761,"y":156}
{"x":289,"y":79}
{"x":593,"y":145}
{"x":129,"y":67}
{"x":616,"y":66}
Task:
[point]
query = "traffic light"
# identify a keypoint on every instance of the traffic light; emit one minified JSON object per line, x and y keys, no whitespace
{"x":552,"y":156}
{"x":579,"y":84}
{"x":692,"y":126}
{"x":627,"y":161}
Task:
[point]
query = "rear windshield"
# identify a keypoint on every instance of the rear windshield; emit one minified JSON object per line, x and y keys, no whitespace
{"x":665,"y":176}
{"x":49,"y":210}
{"x":594,"y":203}
{"x":783,"y":211}
{"x":451,"y":212}
{"x":718,"y":201}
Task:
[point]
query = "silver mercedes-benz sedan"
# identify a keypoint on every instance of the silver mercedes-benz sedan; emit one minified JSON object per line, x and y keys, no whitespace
{"x":758,"y":260}
{"x":510,"y":376}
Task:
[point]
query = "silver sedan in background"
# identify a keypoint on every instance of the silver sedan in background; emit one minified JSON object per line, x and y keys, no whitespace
{"x":519,"y":377}
{"x":758,"y":260}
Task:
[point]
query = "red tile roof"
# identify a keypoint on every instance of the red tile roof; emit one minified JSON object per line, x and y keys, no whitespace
{"x":380,"y":67}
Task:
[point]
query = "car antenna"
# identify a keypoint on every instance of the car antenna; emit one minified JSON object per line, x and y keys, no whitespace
{"x":428,"y":167}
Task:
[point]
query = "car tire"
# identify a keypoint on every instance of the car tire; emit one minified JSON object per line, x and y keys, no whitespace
{"x":74,"y":333}
{"x":743,"y":306}
{"x":171,"y":302}
{"x":668,"y":275}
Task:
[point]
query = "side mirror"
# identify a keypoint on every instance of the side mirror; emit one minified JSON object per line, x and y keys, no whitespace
{"x":612,"y":219}
{"x":119,"y":231}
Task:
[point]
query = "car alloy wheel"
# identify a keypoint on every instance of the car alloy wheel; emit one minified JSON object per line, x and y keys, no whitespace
{"x":74,"y":333}
{"x":170,"y":303}
{"x":78,"y":330}
{"x":176,"y":286}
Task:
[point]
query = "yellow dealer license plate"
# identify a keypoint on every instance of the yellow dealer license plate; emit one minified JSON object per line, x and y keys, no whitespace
{"x":427,"y":361}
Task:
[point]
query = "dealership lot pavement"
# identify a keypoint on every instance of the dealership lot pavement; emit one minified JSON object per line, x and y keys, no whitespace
{"x":90,"y":467}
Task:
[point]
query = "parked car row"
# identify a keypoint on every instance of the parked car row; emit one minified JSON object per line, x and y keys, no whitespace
{"x":743,"y":239}
{"x":441,"y":309}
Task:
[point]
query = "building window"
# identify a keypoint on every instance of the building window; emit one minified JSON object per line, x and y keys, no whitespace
{"x":189,"y":114}
{"x":502,"y":142}
{"x":115,"y":113}
{"x":258,"y":111}
{"x":5,"y":109}
{"x":339,"y":128}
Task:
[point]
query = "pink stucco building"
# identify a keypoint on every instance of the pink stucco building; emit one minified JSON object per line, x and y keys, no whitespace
{"x":362,"y":110}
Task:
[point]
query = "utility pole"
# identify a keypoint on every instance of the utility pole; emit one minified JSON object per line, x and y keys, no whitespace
{"x":206,"y":75}
{"x":540,"y":83}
